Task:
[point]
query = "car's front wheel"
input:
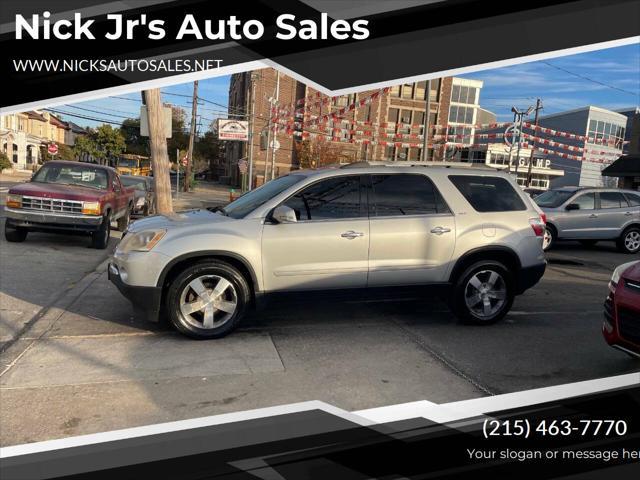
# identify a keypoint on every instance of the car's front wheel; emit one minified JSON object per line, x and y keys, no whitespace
{"x":208,"y":299}
{"x":123,"y":222}
{"x":629,"y":241}
{"x":14,"y":234}
{"x":100,"y":238}
{"x":483,"y":294}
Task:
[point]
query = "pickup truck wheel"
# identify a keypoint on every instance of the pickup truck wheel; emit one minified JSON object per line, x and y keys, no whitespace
{"x":629,"y":241}
{"x":123,"y":222}
{"x":15,"y":234}
{"x":208,"y":300}
{"x":483,"y":294}
{"x":100,"y":238}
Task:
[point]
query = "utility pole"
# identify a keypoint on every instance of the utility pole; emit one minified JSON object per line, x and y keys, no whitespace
{"x":192,"y":137}
{"x":533,"y":142}
{"x":427,"y":126}
{"x":252,"y":123}
{"x":275,"y":132}
{"x":159,"y":155}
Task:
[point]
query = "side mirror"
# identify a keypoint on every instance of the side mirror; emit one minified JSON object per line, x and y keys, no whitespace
{"x":573,"y":206}
{"x":284,"y":214}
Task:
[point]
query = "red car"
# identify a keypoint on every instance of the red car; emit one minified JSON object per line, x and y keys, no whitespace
{"x":621,"y":327}
{"x":69,"y":197}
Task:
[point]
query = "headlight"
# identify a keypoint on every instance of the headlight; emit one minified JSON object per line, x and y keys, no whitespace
{"x":91,"y":208}
{"x":615,"y":278}
{"x":140,"y":202}
{"x":141,"y":241}
{"x":14,"y":201}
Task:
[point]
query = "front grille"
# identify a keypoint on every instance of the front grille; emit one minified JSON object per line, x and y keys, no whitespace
{"x":51,"y":205}
{"x":629,"y":325}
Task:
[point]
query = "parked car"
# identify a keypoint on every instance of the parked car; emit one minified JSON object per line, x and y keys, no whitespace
{"x":621,"y":327}
{"x":592,"y":214}
{"x":145,"y":198}
{"x":472,"y":233}
{"x":69,"y":197}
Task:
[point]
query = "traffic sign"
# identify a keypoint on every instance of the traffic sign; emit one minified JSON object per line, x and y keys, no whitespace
{"x":52,"y":148}
{"x":511,"y":131}
{"x":243,"y":166}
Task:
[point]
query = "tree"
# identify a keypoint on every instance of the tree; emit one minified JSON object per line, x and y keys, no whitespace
{"x":109,"y":140}
{"x":317,"y":152}
{"x":134,"y":142}
{"x":4,"y":161}
{"x":65,"y":152}
{"x":207,"y":151}
{"x":85,"y":146}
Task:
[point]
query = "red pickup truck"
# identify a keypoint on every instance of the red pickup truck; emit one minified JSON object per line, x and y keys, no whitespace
{"x":69,"y":197}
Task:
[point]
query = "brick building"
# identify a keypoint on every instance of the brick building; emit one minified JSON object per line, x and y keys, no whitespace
{"x":381,"y":125}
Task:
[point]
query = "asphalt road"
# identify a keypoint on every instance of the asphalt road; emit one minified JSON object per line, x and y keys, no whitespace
{"x":77,"y":360}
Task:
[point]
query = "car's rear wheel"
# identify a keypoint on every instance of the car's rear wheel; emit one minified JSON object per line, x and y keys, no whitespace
{"x":549,"y":237}
{"x":629,"y":241}
{"x":208,"y":299}
{"x":14,"y":234}
{"x":483,"y":294}
{"x":123,"y":222}
{"x":100,"y":238}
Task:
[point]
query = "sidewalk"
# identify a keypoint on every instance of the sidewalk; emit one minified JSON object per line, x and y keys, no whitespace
{"x":206,"y":194}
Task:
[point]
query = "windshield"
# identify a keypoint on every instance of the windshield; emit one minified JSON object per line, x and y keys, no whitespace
{"x":553,"y":198}
{"x":248,"y":202}
{"x":127,"y":162}
{"x":136,"y":183}
{"x":85,"y":176}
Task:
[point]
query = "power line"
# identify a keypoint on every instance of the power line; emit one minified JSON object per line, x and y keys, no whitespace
{"x":590,"y":79}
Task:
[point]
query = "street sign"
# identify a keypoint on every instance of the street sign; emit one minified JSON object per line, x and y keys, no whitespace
{"x":275,"y":144}
{"x":144,"y":121}
{"x":233,"y":130}
{"x":52,"y":148}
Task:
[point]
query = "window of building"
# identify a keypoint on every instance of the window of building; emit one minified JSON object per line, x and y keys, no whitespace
{"x":405,"y":119}
{"x":488,"y":194}
{"x":334,"y":198}
{"x":389,"y":153}
{"x":395,"y":91}
{"x":435,"y":88}
{"x":367,"y":112}
{"x":403,"y":154}
{"x":421,"y":89}
{"x":415,"y":154}
{"x":407,"y":90}
{"x":393,"y":115}
{"x":612,"y":200}
{"x":459,"y":114}
{"x":404,"y":194}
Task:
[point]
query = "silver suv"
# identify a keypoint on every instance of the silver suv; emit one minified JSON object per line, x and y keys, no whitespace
{"x":360,"y":228}
{"x":592,"y":214}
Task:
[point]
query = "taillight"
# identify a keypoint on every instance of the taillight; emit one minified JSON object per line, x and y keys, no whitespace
{"x":543,"y":217}
{"x":538,"y":225}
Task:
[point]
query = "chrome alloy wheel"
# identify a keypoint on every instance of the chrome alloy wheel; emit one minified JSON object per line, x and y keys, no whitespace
{"x":632,"y":241}
{"x":208,"y":301}
{"x":485,"y":293}
{"x":546,"y":239}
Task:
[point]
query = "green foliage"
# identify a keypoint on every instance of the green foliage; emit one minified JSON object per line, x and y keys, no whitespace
{"x":4,"y":161}
{"x":101,"y":143}
{"x":135,"y":143}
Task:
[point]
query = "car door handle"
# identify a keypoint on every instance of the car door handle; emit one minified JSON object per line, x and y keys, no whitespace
{"x":351,"y":234}
{"x":628,"y":214}
{"x":440,"y":230}
{"x":593,"y":215}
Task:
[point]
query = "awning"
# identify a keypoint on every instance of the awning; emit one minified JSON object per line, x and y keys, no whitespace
{"x":625,"y":166}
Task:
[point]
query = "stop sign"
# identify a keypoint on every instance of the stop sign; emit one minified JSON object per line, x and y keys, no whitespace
{"x":52,"y":148}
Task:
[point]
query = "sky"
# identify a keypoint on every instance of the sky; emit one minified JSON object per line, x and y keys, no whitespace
{"x":608,"y":78}
{"x":559,"y":90}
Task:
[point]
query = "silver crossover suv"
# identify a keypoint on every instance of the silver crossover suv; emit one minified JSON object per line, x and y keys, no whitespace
{"x":368,"y":228}
{"x":592,"y":214}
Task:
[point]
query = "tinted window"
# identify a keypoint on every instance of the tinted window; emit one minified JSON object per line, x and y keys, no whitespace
{"x":488,"y":194}
{"x":334,"y":198}
{"x":634,"y":200}
{"x":612,"y":200}
{"x":404,"y":195}
{"x":586,"y":201}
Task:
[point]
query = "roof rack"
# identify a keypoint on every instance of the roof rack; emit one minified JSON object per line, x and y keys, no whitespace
{"x":401,"y":163}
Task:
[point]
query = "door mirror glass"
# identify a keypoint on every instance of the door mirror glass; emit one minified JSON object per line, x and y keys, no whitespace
{"x":284,"y":214}
{"x":573,"y":206}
